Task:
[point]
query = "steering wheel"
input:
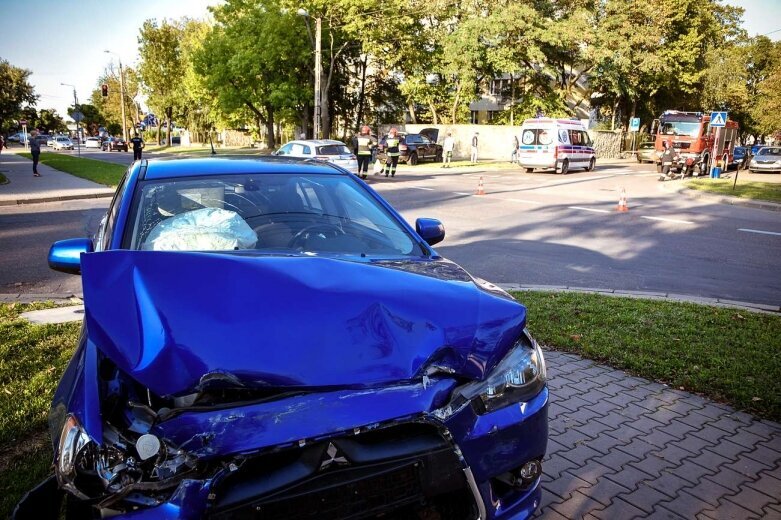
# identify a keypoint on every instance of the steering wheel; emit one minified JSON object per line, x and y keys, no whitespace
{"x":322,"y":227}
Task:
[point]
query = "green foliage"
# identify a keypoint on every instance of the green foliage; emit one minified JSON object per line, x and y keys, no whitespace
{"x":110,"y":107}
{"x":93,"y":119}
{"x":15,"y":93}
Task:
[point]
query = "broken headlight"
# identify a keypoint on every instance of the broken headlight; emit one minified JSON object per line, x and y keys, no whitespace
{"x":124,"y":463}
{"x":517,"y":378}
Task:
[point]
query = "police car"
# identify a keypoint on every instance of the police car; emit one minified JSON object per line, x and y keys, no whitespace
{"x":560,"y":144}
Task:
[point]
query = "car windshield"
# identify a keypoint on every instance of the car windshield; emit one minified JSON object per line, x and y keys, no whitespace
{"x":333,"y":149}
{"x":271,"y":213}
{"x":769,"y":151}
{"x":683,"y":128}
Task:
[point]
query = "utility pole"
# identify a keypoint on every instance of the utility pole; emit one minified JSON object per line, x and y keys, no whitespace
{"x":318,"y":75}
{"x":121,"y":94}
{"x":77,"y":118}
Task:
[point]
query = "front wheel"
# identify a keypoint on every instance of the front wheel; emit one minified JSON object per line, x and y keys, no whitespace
{"x":529,"y":170}
{"x":564,"y":167}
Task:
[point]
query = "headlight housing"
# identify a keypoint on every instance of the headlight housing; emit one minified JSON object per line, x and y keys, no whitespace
{"x":73,"y":440}
{"x":517,"y":378}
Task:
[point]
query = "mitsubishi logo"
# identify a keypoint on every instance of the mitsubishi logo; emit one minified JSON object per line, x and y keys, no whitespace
{"x":333,"y":456}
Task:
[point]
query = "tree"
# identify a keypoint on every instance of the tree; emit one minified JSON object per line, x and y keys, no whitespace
{"x":253,"y":61}
{"x":110,"y":107}
{"x":50,"y":121}
{"x":15,"y":93}
{"x":162,"y":68}
{"x":92,"y":119}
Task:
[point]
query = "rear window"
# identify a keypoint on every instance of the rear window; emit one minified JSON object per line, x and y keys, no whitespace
{"x":537,"y":136}
{"x":333,"y":149}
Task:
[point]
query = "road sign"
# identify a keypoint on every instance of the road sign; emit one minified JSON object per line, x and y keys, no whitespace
{"x":634,"y":124}
{"x":718,"y":119}
{"x":77,"y":116}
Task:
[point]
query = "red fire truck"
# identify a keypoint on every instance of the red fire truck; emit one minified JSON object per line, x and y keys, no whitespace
{"x":696,"y":143}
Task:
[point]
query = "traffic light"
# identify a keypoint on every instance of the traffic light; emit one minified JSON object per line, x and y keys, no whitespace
{"x":104,"y":89}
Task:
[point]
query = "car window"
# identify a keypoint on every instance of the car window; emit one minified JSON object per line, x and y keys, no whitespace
{"x":313,"y":213}
{"x":299,"y":149}
{"x":425,"y":140}
{"x":769,"y":151}
{"x":333,"y":149}
{"x":111,"y":215}
{"x":285,"y":150}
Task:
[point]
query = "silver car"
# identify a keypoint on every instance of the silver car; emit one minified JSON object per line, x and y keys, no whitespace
{"x":647,"y":153}
{"x":767,"y":159}
{"x":323,"y":149}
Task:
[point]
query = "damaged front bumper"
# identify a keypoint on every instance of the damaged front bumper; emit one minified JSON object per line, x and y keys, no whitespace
{"x":388,"y":447}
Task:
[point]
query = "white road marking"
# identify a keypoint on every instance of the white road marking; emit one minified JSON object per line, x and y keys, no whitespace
{"x":461,"y":193}
{"x":673,"y":220}
{"x":759,"y":231}
{"x":421,"y":188}
{"x":523,"y":201}
{"x":594,"y":210}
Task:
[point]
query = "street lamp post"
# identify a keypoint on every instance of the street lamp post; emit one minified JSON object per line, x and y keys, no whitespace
{"x":317,"y":123}
{"x":77,"y":118}
{"x":121,"y":94}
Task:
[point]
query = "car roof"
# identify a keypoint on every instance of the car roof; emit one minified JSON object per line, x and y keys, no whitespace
{"x":165,"y":168}
{"x":315,"y":142}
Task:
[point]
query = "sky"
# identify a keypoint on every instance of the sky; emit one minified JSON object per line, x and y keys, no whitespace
{"x":63,"y":41}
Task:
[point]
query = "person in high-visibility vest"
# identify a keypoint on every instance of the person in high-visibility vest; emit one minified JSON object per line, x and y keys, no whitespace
{"x":391,"y":144}
{"x":363,"y":146}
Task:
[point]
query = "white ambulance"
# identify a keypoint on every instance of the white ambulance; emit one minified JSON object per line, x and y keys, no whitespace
{"x":562,"y":144}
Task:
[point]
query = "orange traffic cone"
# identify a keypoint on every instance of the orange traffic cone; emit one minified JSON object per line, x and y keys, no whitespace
{"x":622,"y":205}
{"x":480,"y":190}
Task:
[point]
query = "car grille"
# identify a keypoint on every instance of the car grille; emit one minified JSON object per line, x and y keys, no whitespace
{"x":374,"y":474}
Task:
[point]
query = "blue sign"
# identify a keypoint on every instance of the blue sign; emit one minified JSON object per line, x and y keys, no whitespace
{"x":718,"y":119}
{"x":634,"y":124}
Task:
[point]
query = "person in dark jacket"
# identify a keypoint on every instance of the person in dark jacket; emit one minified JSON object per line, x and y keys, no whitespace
{"x":391,"y":145}
{"x":138,"y":145}
{"x":35,"y":151}
{"x":363,"y":147}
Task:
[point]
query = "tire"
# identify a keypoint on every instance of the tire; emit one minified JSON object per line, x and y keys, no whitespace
{"x":413,"y":159}
{"x":591,"y":164}
{"x":529,"y":170}
{"x":564,"y":167}
{"x":704,"y":166}
{"x":438,"y":156}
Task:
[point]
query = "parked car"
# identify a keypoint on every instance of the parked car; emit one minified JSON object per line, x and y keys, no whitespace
{"x":647,"y":153}
{"x":50,"y":140}
{"x":16,"y":138}
{"x":92,"y":142}
{"x":330,"y":364}
{"x":767,"y":159}
{"x":414,"y":148}
{"x":114,"y":144}
{"x":321,"y":149}
{"x":558,"y":144}
{"x":739,"y":158}
{"x":755,"y":148}
{"x":62,"y":143}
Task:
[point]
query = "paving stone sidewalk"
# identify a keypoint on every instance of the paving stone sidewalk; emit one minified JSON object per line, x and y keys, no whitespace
{"x":622,"y":447}
{"x":52,"y":185}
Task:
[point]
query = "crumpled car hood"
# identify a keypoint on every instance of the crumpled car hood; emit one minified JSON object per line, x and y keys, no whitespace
{"x":171,"y":320}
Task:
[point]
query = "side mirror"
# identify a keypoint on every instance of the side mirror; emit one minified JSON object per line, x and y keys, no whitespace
{"x":430,"y":229}
{"x":65,"y":255}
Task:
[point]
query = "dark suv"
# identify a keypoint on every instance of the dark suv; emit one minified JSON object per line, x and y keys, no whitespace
{"x":417,"y":147}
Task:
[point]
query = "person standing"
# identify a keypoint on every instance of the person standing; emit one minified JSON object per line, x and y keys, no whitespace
{"x":447,"y":148}
{"x":35,"y":151}
{"x":363,"y":146}
{"x":474,"y":148}
{"x":391,"y":144}
{"x":514,"y":155}
{"x":666,"y":159}
{"x":138,"y":145}
{"x":2,"y":143}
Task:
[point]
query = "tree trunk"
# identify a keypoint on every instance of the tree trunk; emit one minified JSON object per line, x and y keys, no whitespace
{"x":615,"y":113}
{"x":158,"y":133}
{"x":361,"y":96}
{"x":411,"y":108}
{"x":168,"y":116}
{"x":270,"y":127}
{"x":325,"y":112}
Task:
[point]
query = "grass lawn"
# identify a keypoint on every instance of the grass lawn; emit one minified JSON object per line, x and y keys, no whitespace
{"x":32,"y":359}
{"x":97,"y":171}
{"x":770,"y":191}
{"x":728,"y":355}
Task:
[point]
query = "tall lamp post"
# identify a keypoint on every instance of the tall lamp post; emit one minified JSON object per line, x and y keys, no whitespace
{"x":318,"y":68}
{"x":121,"y":94}
{"x":77,"y":118}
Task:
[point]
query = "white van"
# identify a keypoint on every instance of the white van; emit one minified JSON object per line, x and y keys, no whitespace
{"x":562,"y":144}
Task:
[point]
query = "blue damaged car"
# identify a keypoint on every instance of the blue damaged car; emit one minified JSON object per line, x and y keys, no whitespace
{"x":269,"y":339}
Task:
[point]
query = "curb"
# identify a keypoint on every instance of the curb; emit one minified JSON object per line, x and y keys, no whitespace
{"x":39,"y":200}
{"x":649,"y":295}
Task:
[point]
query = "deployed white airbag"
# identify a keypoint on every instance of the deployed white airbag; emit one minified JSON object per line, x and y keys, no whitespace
{"x":206,"y":229}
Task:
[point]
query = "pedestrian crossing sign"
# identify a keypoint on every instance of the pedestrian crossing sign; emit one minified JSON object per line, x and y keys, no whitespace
{"x":718,"y":119}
